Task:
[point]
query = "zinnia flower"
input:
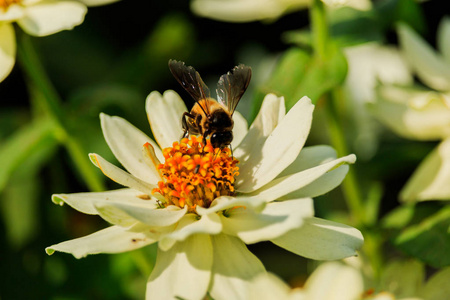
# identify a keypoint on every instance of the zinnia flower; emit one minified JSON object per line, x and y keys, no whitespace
{"x":202,"y":207}
{"x":38,"y":18}
{"x":255,"y":10}
{"x":422,"y":114}
{"x":345,"y":280}
{"x":368,"y":65}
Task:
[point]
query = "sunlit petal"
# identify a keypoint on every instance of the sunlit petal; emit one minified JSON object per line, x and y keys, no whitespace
{"x":240,"y":129}
{"x":279,"y":150}
{"x":291,"y":183}
{"x":272,"y":111}
{"x":431,"y":179}
{"x":429,"y":65}
{"x":48,"y":17}
{"x":7,"y":50}
{"x":233,"y":269}
{"x":120,"y":176}
{"x":164,"y":113}
{"x":184,"y":271}
{"x":113,"y":239}
{"x":190,"y":225}
{"x":275,"y":220}
{"x":322,"y":240}
{"x":84,"y":202}
{"x":126,"y":142}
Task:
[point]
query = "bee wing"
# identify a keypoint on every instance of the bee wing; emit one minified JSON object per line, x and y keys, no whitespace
{"x":191,"y":81}
{"x":231,"y":86}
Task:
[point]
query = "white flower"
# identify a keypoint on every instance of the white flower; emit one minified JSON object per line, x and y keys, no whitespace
{"x":368,"y":64}
{"x":201,"y":225}
{"x":432,"y":67}
{"x":422,"y":114}
{"x":346,"y":281}
{"x":330,"y":281}
{"x":38,"y":18}
{"x":253,"y":10}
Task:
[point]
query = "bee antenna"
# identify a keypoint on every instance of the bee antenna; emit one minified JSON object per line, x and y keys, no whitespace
{"x":231,"y":148}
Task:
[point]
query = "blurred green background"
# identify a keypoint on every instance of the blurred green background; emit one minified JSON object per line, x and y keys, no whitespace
{"x":109,"y":64}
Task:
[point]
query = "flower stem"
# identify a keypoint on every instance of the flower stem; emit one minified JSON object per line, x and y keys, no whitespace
{"x":350,"y":187}
{"x":319,"y":28}
{"x":52,"y":105}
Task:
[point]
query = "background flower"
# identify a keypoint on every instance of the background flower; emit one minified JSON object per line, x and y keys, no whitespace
{"x":253,"y":10}
{"x":368,"y":65}
{"x":37,"y":18}
{"x":421,"y":114}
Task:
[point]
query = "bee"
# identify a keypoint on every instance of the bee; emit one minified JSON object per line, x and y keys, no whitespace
{"x":209,"y":117}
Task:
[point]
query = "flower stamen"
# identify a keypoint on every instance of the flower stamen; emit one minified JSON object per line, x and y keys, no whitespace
{"x":195,"y":174}
{"x":5,"y":4}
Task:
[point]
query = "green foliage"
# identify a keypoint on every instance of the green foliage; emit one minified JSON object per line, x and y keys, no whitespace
{"x":299,"y":73}
{"x":429,"y":240}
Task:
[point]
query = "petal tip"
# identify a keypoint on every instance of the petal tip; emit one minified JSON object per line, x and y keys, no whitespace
{"x":49,"y":251}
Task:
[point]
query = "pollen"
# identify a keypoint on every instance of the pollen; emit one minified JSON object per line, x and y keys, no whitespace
{"x":195,"y":174}
{"x":5,"y":4}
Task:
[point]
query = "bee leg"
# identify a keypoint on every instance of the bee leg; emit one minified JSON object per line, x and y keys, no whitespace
{"x":185,"y":124}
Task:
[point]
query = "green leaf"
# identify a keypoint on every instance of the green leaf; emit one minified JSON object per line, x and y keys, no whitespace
{"x":23,"y":144}
{"x":403,"y":278}
{"x":20,"y":196}
{"x":399,"y":217}
{"x":389,"y":12}
{"x":300,"y":74}
{"x":437,"y":287}
{"x":429,"y":240}
{"x":373,"y":200}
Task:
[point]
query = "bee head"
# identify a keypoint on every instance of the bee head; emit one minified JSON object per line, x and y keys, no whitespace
{"x":221,"y":139}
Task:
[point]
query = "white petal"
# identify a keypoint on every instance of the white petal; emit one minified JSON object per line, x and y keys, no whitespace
{"x":321,"y":185}
{"x":147,"y":212}
{"x":164,"y":114}
{"x":240,"y":129}
{"x":113,"y":239}
{"x":430,"y":66}
{"x":267,"y":286}
{"x":322,"y":240}
{"x":120,"y":176}
{"x":48,"y":17}
{"x":310,"y":157}
{"x":413,"y":114}
{"x":14,"y":12}
{"x":276,"y":219}
{"x":431,"y":180}
{"x":368,"y":65}
{"x":290,"y":183}
{"x":245,"y":10}
{"x":234,"y":268}
{"x":279,"y":150}
{"x":271,"y":112}
{"x":126,"y":142}
{"x":342,"y":282}
{"x":190,"y":225}
{"x":183,"y":272}
{"x":97,"y":2}
{"x":363,"y":5}
{"x":443,"y":38}
{"x":7,"y":50}
{"x":225,"y":202}
{"x":84,"y":202}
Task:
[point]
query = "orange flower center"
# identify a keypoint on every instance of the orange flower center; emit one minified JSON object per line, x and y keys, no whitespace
{"x":5,"y":4}
{"x":195,"y":174}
